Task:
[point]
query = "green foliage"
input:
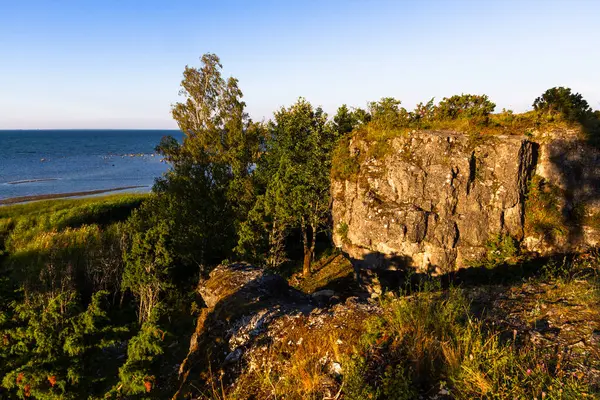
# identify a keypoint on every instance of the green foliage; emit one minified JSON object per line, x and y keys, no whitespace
{"x":500,"y":249}
{"x":51,"y":349}
{"x":423,"y":113}
{"x":296,"y":163}
{"x":465,"y":106}
{"x":346,"y":120}
{"x":60,"y":276}
{"x":49,"y":249}
{"x":386,"y":114}
{"x":561,"y":100}
{"x":344,"y":164}
{"x":143,"y":352}
{"x":208,"y":192}
{"x":147,"y":259}
{"x":562,"y":103}
{"x":342,"y":231}
{"x":543,"y":214}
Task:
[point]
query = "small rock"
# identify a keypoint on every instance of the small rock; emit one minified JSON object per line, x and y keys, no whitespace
{"x":336,"y":368}
{"x":323,"y":293}
{"x":234,"y":356}
{"x":324,"y":296}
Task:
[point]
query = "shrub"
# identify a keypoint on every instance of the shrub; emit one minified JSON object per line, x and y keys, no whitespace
{"x":543,"y":215}
{"x":423,"y":112}
{"x":52,"y":347}
{"x":465,"y":106}
{"x":343,"y":232}
{"x":344,"y":165}
{"x":500,"y":249}
{"x":560,"y":100}
{"x":387,"y":114}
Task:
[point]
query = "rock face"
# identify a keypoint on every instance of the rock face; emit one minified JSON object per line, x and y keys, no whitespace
{"x":241,"y":302}
{"x":572,"y":167}
{"x":248,"y":312}
{"x":435,"y":199}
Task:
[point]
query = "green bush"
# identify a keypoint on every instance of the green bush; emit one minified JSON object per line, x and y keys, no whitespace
{"x":343,"y":231}
{"x":501,"y":248}
{"x":344,"y":165}
{"x":387,"y":114}
{"x":561,"y":100}
{"x":543,"y":214}
{"x":465,"y":106}
{"x":52,"y":348}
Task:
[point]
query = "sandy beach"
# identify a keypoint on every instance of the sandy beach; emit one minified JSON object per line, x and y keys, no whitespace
{"x":23,"y":199}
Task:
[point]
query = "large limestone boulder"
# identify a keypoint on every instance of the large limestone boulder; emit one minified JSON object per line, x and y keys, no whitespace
{"x":434,"y":199}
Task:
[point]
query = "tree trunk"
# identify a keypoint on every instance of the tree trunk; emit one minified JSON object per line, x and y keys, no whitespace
{"x":307,"y":260}
{"x":313,"y":228}
{"x":307,"y":253}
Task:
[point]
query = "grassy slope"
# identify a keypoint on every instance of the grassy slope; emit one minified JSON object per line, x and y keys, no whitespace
{"x":55,"y":248}
{"x":529,"y":339}
{"x":22,"y":223}
{"x":535,"y":337}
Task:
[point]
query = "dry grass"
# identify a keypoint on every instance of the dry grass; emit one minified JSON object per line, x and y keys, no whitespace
{"x":543,"y":210}
{"x":430,"y":342}
{"x":300,"y":362}
{"x":345,"y":166}
{"x":333,"y":272}
{"x":440,"y":344}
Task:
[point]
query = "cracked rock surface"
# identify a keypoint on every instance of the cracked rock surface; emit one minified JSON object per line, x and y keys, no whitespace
{"x":435,"y":198}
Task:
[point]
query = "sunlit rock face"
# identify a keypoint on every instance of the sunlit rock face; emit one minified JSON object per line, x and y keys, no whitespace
{"x":433,"y":200}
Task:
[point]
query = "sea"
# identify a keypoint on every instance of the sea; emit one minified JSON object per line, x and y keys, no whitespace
{"x":45,"y":162}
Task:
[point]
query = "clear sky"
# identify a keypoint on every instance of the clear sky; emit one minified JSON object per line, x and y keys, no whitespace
{"x":118,"y":64}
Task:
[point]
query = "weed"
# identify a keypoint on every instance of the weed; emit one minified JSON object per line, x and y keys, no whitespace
{"x":543,"y":215}
{"x":431,"y":340}
{"x":342,"y":231}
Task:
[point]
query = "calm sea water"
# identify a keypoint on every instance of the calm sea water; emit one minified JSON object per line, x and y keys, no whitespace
{"x":61,"y":161}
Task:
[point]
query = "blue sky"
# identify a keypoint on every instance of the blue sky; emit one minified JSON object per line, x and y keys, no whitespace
{"x":117,"y":64}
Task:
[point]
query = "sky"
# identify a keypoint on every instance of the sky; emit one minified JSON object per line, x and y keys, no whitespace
{"x":118,"y":64}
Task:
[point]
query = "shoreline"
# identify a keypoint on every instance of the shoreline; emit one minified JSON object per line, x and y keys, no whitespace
{"x":53,"y":196}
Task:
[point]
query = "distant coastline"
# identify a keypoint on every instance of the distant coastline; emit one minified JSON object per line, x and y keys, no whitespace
{"x":54,"y":162}
{"x":23,"y":199}
{"x":31,"y":181}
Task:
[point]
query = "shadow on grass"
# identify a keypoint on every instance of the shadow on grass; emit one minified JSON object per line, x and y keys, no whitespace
{"x":402,"y":276}
{"x":100,"y":214}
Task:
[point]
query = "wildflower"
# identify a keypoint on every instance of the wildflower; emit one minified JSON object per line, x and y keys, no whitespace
{"x":528,"y":371}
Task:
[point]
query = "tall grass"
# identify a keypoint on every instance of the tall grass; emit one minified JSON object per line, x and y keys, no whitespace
{"x":430,"y":343}
{"x":57,"y":245}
